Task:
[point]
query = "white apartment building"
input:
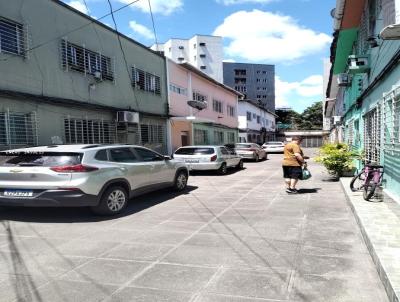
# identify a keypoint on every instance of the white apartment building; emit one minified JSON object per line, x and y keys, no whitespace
{"x":256,"y":124}
{"x":202,"y":51}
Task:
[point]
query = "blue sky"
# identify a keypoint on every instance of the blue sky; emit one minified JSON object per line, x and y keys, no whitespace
{"x":294,"y":35}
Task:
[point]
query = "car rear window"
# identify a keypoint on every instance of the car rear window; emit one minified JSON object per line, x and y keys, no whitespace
{"x":194,"y":151}
{"x":45,"y":159}
{"x":243,"y":146}
{"x":274,"y":143}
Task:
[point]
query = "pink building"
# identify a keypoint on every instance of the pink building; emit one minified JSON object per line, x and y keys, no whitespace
{"x":216,"y":124}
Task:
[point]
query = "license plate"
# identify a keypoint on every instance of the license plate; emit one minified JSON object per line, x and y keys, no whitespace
{"x":18,"y":193}
{"x":192,"y":161}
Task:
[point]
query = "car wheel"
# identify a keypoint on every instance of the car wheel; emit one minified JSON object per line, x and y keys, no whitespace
{"x":180,"y":182}
{"x":239,"y":166}
{"x":223,"y":169}
{"x":112,"y":202}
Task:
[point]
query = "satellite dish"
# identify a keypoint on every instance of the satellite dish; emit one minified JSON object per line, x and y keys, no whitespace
{"x":390,"y":32}
{"x":200,"y":105}
{"x":333,"y":12}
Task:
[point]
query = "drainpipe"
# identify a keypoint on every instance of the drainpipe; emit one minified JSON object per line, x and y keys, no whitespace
{"x":169,"y":130}
{"x":190,"y":96}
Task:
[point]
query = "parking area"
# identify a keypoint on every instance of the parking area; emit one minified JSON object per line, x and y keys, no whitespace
{"x":237,"y":237}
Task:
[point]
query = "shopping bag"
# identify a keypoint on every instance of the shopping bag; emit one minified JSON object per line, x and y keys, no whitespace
{"x":306,"y":174}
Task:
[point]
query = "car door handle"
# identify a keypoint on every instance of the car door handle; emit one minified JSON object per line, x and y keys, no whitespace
{"x":123,"y":169}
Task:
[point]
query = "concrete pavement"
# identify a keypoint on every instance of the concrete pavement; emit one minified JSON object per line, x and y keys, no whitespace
{"x":237,"y":237}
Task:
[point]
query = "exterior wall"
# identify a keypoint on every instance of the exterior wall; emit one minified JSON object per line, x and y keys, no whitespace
{"x":190,"y":51}
{"x":210,"y":130}
{"x":260,"y":82}
{"x":177,"y":127}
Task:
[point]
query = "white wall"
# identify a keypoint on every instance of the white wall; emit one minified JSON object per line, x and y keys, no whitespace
{"x":267,"y":120}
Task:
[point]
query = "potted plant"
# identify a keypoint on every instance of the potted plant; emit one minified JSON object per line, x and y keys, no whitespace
{"x":337,"y":158}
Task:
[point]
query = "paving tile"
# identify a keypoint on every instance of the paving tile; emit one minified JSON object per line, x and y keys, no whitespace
{"x":129,"y":294}
{"x":138,"y":251}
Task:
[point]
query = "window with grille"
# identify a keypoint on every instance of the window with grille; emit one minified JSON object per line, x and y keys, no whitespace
{"x":152,"y":134}
{"x":218,"y":137}
{"x":258,"y":119}
{"x":350,"y":133}
{"x":177,"y":89}
{"x":146,"y":81}
{"x":81,"y":59}
{"x":200,"y":137}
{"x":89,"y":131}
{"x":248,"y":115}
{"x":372,"y":135}
{"x":12,"y":37}
{"x":231,"y":110}
{"x":18,"y":129}
{"x":218,"y":106}
{"x":231,"y":137}
{"x":391,"y":120}
{"x":197,"y":96}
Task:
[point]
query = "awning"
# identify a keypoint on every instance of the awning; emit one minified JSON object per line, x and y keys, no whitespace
{"x":344,"y":48}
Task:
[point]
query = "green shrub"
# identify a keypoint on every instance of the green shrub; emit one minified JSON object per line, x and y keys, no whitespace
{"x":336,"y":158}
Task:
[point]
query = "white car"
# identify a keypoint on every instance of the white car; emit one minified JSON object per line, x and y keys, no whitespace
{"x":251,"y":151}
{"x":217,"y":158}
{"x":103,"y":177}
{"x":273,"y":147}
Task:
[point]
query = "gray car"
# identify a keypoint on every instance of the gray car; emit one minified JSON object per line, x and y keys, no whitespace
{"x":217,"y":158}
{"x":99,"y":176}
{"x":251,"y":151}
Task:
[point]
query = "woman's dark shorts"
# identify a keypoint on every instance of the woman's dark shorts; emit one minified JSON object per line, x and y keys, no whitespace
{"x":292,"y":172}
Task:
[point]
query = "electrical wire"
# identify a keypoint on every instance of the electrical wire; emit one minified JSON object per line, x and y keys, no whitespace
{"x":154,"y":27}
{"x":73,"y":30}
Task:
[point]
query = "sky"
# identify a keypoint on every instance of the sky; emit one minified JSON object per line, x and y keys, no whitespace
{"x":294,"y":35}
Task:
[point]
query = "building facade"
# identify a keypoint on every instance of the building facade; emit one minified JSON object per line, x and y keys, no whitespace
{"x":256,"y":124}
{"x":369,"y":74}
{"x":255,"y":81}
{"x":65,"y":83}
{"x":202,"y":51}
{"x":216,"y":122}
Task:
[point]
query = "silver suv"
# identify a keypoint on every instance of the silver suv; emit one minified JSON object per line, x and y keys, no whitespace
{"x":103,"y":177}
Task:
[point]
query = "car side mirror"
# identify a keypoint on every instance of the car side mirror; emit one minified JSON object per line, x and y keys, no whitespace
{"x":166,"y":157}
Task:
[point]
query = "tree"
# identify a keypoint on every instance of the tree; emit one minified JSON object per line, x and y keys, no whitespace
{"x":311,"y":118}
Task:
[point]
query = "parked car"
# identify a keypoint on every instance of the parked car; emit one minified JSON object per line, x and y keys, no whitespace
{"x":251,"y":151}
{"x":273,"y":147}
{"x":103,"y":177}
{"x":217,"y":158}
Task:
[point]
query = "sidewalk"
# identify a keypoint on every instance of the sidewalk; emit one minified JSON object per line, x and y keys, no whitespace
{"x":380,"y":226}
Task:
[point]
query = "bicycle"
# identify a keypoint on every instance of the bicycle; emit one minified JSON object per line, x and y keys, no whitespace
{"x":367,"y":180}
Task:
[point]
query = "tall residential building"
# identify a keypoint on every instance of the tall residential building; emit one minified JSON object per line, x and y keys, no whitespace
{"x":255,"y":81}
{"x":201,"y":51}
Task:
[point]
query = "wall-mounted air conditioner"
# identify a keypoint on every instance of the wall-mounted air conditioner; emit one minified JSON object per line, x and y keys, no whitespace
{"x":358,"y":64}
{"x":343,"y":79}
{"x":97,"y":75}
{"x":128,"y":117}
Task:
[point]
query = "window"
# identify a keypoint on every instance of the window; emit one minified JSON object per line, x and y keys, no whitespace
{"x":217,"y":106}
{"x":264,"y":80}
{"x":264,"y":72}
{"x":18,"y":129}
{"x":372,"y":135}
{"x":194,"y":58}
{"x":197,"y":96}
{"x":249,"y":116}
{"x":254,"y":115}
{"x":194,"y":46}
{"x":203,"y":67}
{"x":88,"y":131}
{"x":202,"y":44}
{"x":101,"y":155}
{"x":12,"y":37}
{"x":146,"y":81}
{"x":122,"y":155}
{"x":240,"y":80}
{"x":177,"y":89}
{"x":258,"y":119}
{"x":231,"y":137}
{"x":239,"y":72}
{"x":148,"y":155}
{"x":264,"y":96}
{"x":218,"y":137}
{"x":258,"y":80}
{"x":258,"y":71}
{"x":202,"y":56}
{"x":83,"y":60}
{"x":152,"y":134}
{"x":200,"y":137}
{"x":230,"y":110}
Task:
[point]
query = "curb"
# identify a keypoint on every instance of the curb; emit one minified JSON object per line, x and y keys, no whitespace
{"x":374,"y":219}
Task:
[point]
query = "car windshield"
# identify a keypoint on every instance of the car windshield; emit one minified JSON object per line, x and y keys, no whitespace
{"x":243,"y":146}
{"x":45,"y":159}
{"x":194,"y":151}
{"x":274,"y":143}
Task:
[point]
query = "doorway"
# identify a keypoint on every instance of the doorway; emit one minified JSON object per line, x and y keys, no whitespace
{"x":184,"y":138}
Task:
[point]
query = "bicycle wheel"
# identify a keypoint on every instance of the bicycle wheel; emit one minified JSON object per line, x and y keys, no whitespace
{"x":369,"y":189}
{"x":357,"y":182}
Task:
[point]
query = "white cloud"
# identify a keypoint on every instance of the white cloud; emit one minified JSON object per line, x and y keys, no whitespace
{"x":141,"y":30}
{"x":264,"y":36}
{"x":164,"y":7}
{"x":287,"y":92}
{"x":78,"y":5}
{"x":231,"y":2}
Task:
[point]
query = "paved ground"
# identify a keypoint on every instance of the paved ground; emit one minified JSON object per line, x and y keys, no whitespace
{"x":229,"y":238}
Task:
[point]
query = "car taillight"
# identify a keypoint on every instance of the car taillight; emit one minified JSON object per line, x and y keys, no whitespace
{"x":253,"y":149}
{"x":73,"y":169}
{"x":213,"y":158}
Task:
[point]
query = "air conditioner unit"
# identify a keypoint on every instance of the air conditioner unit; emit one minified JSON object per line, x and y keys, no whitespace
{"x":358,"y":64}
{"x":337,"y":119}
{"x":97,"y":75}
{"x":181,"y":47}
{"x":343,"y":79}
{"x":128,"y":117}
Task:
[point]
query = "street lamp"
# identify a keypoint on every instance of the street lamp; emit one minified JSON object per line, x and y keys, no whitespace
{"x":390,"y":32}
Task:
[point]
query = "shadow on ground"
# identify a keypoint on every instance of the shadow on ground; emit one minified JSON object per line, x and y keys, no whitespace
{"x":63,"y":215}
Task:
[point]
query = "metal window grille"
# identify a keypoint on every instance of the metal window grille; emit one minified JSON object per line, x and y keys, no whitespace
{"x":200,"y":137}
{"x":146,"y":81}
{"x":197,"y":96}
{"x":218,"y":137}
{"x":217,"y":106}
{"x":372,"y":135}
{"x":13,"y":37}
{"x":89,"y":131}
{"x":78,"y":58}
{"x":231,"y":110}
{"x":231,"y":137}
{"x":350,"y":133}
{"x":153,"y":136}
{"x":18,"y":129}
{"x":391,"y":121}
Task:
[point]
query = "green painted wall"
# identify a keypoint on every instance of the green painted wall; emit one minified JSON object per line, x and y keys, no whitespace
{"x":210,"y":130}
